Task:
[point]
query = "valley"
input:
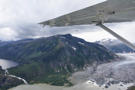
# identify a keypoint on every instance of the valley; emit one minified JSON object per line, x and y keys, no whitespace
{"x":87,"y":81}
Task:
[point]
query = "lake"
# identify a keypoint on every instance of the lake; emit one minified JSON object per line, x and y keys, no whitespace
{"x":6,"y":64}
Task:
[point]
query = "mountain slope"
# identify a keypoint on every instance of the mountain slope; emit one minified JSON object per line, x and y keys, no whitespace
{"x":53,"y":59}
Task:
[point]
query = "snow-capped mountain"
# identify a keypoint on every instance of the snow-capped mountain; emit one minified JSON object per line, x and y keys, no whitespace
{"x":115,"y":45}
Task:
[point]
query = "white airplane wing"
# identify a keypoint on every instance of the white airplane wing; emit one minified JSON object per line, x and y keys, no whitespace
{"x":107,"y":12}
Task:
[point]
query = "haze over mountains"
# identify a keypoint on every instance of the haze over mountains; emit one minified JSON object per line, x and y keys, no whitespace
{"x":115,"y":46}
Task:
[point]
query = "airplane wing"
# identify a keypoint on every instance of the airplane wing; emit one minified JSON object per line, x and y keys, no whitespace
{"x":104,"y":12}
{"x":84,"y":16}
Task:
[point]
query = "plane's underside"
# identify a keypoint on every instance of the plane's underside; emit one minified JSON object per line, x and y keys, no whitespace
{"x":110,"y":11}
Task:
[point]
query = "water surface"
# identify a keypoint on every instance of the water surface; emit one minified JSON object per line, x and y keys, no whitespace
{"x":6,"y":64}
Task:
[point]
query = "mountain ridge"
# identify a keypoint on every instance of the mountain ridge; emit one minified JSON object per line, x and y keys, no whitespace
{"x":53,"y":59}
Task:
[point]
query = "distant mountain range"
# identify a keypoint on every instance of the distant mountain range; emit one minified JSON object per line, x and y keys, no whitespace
{"x":53,"y":59}
{"x":115,"y":46}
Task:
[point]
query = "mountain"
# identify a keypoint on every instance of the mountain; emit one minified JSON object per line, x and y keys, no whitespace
{"x":53,"y":59}
{"x":115,"y":46}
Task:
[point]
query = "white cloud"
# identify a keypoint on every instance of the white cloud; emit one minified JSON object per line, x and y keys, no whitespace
{"x":22,"y":16}
{"x":7,"y":34}
{"x":38,"y":10}
{"x":126,"y":30}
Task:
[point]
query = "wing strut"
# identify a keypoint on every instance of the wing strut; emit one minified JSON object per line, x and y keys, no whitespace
{"x":116,"y":35}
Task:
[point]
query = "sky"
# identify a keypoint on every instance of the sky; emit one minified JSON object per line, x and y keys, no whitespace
{"x":19,"y":18}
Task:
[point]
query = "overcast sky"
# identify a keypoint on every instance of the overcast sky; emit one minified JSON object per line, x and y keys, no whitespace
{"x":19,"y":18}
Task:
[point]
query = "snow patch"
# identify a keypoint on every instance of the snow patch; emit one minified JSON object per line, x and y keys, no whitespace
{"x":63,"y":37}
{"x":74,"y":48}
{"x":81,"y":43}
{"x":92,"y":82}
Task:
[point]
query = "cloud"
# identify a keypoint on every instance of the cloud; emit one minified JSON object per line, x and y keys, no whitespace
{"x":7,"y":34}
{"x":38,"y":10}
{"x":126,"y":30}
{"x":19,"y":18}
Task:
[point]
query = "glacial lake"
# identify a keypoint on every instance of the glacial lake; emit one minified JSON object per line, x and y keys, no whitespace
{"x":6,"y":64}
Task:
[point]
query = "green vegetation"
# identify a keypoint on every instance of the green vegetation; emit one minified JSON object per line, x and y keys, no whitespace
{"x":131,"y":88}
{"x":39,"y":72}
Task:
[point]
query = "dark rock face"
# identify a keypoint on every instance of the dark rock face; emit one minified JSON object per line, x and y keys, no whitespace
{"x":1,"y":70}
{"x":53,"y":59}
{"x":7,"y":82}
